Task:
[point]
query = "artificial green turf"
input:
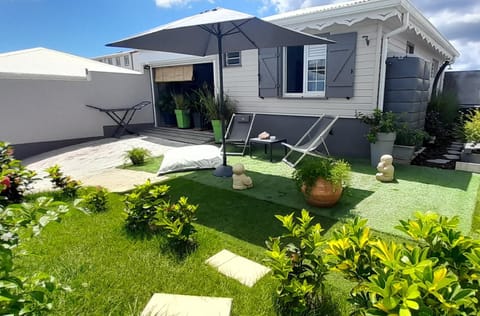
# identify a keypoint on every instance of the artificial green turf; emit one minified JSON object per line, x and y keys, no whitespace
{"x":112,"y":273}
{"x":150,"y":165}
{"x":446,"y":192}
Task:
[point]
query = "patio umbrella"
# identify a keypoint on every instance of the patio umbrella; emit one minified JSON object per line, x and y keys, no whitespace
{"x":218,"y":31}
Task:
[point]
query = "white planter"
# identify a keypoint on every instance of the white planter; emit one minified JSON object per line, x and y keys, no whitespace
{"x":403,"y":154}
{"x":383,"y":146}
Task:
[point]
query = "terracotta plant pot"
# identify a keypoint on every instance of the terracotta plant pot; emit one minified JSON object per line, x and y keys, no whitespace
{"x":322,"y":193}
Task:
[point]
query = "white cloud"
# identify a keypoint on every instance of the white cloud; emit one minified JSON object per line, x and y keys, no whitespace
{"x":468,"y":60}
{"x":171,"y":3}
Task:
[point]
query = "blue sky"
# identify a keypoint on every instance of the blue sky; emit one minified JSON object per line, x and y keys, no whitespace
{"x":84,"y":27}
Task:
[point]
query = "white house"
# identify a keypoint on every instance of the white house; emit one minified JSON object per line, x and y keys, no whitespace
{"x":343,"y":79}
{"x":121,"y":59}
{"x":44,"y":93}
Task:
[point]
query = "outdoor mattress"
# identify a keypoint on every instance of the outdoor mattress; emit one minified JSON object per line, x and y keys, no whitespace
{"x":190,"y":158}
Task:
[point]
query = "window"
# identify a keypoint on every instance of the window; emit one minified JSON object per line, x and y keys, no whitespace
{"x":109,"y":60}
{"x":232,"y":59}
{"x":126,"y":60}
{"x":304,"y":70}
{"x":117,"y":61}
{"x":410,"y":48}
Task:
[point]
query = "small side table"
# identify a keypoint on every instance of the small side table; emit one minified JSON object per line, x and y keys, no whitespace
{"x":267,"y":143}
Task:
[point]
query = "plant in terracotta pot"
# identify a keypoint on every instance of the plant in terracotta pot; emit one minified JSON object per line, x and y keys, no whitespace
{"x":381,"y":135}
{"x":322,"y":180}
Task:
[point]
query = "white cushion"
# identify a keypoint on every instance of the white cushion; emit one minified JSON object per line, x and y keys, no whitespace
{"x":190,"y":158}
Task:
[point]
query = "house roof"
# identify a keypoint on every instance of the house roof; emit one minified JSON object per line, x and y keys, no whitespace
{"x":349,"y":13}
{"x":51,"y":64}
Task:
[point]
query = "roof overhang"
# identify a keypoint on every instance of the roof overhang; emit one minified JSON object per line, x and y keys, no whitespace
{"x":317,"y":19}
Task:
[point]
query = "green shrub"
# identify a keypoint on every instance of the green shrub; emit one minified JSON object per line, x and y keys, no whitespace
{"x":436,"y":275}
{"x":96,"y":201}
{"x":176,"y":220}
{"x":68,"y":185}
{"x":137,"y":155}
{"x":141,"y":206}
{"x":379,"y":122}
{"x":407,"y":136}
{"x":15,"y":179}
{"x":471,"y":127}
{"x":299,"y":265}
{"x":446,"y":105}
{"x":25,"y":294}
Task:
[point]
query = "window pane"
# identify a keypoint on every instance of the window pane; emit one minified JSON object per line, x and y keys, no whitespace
{"x":294,"y":74}
{"x":126,"y":60}
{"x":316,"y":75}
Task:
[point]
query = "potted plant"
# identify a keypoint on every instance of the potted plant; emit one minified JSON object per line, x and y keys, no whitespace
{"x":212,"y":110}
{"x":381,"y":135}
{"x":471,"y":132}
{"x":166,"y":109}
{"x":322,"y":179}
{"x":407,"y":142}
{"x":199,"y":116}
{"x":182,"y":111}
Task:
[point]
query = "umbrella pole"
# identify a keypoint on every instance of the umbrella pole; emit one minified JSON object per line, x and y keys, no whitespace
{"x":224,"y":170}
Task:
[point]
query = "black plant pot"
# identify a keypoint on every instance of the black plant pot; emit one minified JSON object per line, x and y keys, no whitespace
{"x":168,"y":119}
{"x":199,"y":121}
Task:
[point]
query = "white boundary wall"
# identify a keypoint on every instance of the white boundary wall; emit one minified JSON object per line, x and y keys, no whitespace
{"x":40,"y":110}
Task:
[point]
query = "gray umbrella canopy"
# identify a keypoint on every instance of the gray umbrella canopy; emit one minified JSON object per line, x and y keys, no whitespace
{"x":218,"y":31}
{"x":198,"y":34}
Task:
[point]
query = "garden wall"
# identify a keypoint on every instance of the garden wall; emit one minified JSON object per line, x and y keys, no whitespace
{"x":43,"y":114}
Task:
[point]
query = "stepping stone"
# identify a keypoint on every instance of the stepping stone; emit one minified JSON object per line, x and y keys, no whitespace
{"x":457,"y":143}
{"x":241,"y":269}
{"x":455,"y":148}
{"x":162,"y":304}
{"x":452,"y":157}
{"x":438,"y":161}
{"x":453,"y":152}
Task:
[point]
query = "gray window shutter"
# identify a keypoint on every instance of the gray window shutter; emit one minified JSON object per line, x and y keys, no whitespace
{"x":269,"y":70}
{"x":341,"y":65}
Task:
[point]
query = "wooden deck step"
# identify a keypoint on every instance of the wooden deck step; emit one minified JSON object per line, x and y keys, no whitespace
{"x":188,"y":136}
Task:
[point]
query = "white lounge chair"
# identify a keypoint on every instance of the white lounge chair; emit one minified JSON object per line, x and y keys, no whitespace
{"x":311,"y":140}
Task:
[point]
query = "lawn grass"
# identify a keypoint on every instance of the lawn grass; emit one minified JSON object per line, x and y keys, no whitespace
{"x":113,"y":273}
{"x":446,"y":192}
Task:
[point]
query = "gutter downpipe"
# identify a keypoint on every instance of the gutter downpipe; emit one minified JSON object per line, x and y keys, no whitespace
{"x":383,"y":58}
{"x":437,"y":78}
{"x":152,"y":91}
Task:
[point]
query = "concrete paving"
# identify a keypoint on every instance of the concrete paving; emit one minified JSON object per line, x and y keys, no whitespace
{"x":95,"y":163}
{"x":162,"y":304}
{"x":239,"y":268}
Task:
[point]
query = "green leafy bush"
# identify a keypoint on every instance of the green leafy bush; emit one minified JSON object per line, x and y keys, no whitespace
{"x":299,"y":265}
{"x":379,"y":122}
{"x":25,"y":294}
{"x":446,"y":105}
{"x":407,"y":136}
{"x":68,"y":185}
{"x":176,"y":220}
{"x":137,"y":155}
{"x":471,"y":127}
{"x":96,"y":200}
{"x":15,"y":179}
{"x":436,"y":275}
{"x":141,"y":206}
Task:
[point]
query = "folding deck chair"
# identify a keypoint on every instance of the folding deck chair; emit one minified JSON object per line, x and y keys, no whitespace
{"x":238,"y":132}
{"x":314,"y":137}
